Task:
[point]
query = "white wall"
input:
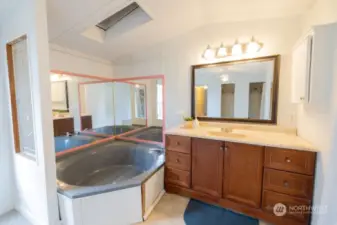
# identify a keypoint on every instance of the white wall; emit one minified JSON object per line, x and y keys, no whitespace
{"x":35,"y":189}
{"x":317,"y":120}
{"x":175,"y":57}
{"x":123,"y":107}
{"x":76,"y":62}
{"x":99,"y":104}
{"x":6,"y":160}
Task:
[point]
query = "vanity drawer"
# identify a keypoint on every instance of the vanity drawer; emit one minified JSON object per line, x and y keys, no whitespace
{"x":288,"y":183}
{"x":178,"y":160}
{"x":177,"y":177}
{"x":178,"y":143}
{"x":290,"y":160}
{"x":297,"y":208}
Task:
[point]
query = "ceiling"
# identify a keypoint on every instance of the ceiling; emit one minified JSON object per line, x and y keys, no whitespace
{"x":170,"y":18}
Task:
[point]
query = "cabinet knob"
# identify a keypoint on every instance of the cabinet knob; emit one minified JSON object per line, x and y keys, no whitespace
{"x":177,"y":143}
{"x":302,"y":98}
{"x":288,"y":160}
{"x":177,"y":161}
{"x":221,"y":148}
{"x":286,"y":184}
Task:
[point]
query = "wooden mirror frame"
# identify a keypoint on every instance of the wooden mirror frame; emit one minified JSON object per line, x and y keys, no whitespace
{"x":273,"y":120}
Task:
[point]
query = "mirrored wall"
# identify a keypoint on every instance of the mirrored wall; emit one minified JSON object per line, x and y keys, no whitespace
{"x":86,"y":110}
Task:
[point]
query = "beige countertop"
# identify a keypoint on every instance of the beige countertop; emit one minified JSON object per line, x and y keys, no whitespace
{"x":265,"y":135}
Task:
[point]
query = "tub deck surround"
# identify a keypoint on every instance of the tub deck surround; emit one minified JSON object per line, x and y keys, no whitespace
{"x":74,"y":168}
{"x":263,"y":135}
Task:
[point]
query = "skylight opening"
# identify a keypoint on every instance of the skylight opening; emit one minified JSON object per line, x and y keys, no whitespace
{"x":118,"y":16}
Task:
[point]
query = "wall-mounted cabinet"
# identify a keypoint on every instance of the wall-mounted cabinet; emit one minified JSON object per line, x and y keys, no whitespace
{"x":313,"y":67}
{"x":301,"y":70}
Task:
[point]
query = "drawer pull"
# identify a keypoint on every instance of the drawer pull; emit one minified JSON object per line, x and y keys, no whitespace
{"x":286,"y":184}
{"x":288,"y":160}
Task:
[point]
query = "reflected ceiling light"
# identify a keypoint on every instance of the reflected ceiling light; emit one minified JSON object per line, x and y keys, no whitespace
{"x":253,"y":46}
{"x":209,"y":53}
{"x":222,"y":51}
{"x":59,"y":77}
{"x":54,"y":77}
{"x":224,"y":78}
{"x":237,"y":48}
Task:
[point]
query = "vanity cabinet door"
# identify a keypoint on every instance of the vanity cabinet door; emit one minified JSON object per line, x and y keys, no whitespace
{"x":207,"y":166}
{"x":243,"y":172}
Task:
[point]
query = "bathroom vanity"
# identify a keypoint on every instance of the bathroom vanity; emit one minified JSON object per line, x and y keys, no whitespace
{"x":244,"y":168}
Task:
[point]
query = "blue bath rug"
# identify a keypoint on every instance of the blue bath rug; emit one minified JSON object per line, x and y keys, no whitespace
{"x":199,"y":213}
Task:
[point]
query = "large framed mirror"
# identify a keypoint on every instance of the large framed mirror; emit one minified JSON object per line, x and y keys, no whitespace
{"x":239,"y":91}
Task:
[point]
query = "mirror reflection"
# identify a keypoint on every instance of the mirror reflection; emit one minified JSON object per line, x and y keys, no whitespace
{"x":147,"y":105}
{"x":67,"y":114}
{"x":86,"y":110}
{"x":235,"y":91}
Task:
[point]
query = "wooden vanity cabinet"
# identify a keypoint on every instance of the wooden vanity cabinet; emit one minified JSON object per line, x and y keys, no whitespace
{"x":242,"y":180}
{"x":245,"y":178}
{"x":207,"y":166}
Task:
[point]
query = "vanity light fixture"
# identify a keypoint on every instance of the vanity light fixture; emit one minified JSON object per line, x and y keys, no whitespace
{"x":222,"y":51}
{"x":253,"y":46}
{"x":209,"y":53}
{"x":237,"y":48}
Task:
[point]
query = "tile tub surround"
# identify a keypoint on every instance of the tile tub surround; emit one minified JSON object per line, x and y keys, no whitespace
{"x":264,"y":135}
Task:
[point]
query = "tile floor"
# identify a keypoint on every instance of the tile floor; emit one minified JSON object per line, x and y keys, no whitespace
{"x":13,"y":218}
{"x":169,"y":211}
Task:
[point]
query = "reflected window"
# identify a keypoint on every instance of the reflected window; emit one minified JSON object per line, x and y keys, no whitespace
{"x":140,"y":102}
{"x":159,"y":100}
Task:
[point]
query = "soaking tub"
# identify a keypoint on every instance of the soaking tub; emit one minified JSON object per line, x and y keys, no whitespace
{"x":114,"y":130}
{"x":67,"y":142}
{"x":117,"y":182}
{"x":149,"y":134}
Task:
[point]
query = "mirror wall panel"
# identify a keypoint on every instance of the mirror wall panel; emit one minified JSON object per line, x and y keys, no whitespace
{"x":244,"y":90}
{"x":96,"y":100}
{"x":72,"y":112}
{"x":147,"y":105}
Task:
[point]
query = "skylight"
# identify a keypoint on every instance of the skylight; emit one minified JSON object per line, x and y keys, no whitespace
{"x":118,"y":16}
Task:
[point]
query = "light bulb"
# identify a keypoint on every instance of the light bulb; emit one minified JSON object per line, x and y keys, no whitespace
{"x":222,"y":51}
{"x":253,"y":46}
{"x":209,"y":53}
{"x":237,"y":48}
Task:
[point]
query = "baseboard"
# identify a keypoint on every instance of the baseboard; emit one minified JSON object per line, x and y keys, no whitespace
{"x":28,"y":216}
{"x":150,"y":209}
